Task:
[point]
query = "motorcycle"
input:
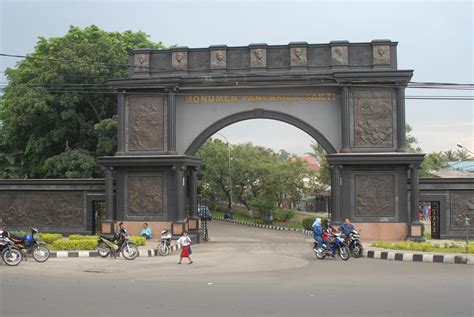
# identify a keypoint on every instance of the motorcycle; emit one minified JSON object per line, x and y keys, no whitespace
{"x":340,"y":248}
{"x":10,"y":254}
{"x":164,"y":246}
{"x":117,"y":243}
{"x":30,"y":244}
{"x":353,"y":243}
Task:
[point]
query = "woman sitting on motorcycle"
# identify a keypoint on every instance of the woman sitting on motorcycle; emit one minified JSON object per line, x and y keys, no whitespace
{"x":328,"y":232}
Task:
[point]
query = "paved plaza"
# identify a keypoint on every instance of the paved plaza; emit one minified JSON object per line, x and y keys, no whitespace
{"x":243,"y":271}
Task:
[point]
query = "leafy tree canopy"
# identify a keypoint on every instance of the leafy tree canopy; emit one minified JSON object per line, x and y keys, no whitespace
{"x":57,"y":104}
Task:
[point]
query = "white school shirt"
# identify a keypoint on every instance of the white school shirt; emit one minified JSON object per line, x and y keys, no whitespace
{"x":184,"y":241}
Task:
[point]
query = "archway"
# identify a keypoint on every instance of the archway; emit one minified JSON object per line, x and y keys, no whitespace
{"x":347,"y":96}
{"x":260,"y":114}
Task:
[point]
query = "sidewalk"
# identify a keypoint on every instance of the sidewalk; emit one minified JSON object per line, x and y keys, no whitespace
{"x":147,"y":250}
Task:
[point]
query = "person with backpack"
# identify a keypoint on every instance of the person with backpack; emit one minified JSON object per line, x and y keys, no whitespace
{"x":185,"y":242}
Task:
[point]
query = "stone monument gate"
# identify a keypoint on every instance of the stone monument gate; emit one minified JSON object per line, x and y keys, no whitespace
{"x":348,"y":96}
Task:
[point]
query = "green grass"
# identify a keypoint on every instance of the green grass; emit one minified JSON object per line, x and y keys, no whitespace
{"x":424,"y":246}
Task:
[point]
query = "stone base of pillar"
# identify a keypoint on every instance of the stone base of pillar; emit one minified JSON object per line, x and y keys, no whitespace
{"x":193,"y":224}
{"x":108,"y":226}
{"x":415,"y":232}
{"x":177,"y":228}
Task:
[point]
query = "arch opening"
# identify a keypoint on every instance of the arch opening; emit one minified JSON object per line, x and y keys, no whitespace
{"x":259,"y":114}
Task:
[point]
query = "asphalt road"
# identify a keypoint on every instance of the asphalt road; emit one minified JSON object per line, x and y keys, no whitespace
{"x":243,"y":271}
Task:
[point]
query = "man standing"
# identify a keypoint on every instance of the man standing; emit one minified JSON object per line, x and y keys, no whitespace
{"x":346,"y":227}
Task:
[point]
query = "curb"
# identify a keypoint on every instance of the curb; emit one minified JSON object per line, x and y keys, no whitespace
{"x":95,"y":254}
{"x":258,"y":225}
{"x":379,"y":255}
{"x":419,"y":257}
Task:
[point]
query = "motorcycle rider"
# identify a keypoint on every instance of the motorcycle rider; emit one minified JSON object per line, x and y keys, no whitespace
{"x":328,"y":232}
{"x":3,"y":232}
{"x":346,"y":227}
{"x":317,"y":233}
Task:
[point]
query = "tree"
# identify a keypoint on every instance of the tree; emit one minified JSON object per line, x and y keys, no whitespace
{"x":411,"y":141}
{"x":450,"y":155}
{"x":57,"y":101}
{"x":463,"y":155}
{"x":318,"y":151}
{"x":432,"y":162}
{"x":256,"y":173}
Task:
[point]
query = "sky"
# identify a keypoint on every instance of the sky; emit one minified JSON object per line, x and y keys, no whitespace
{"x":435,"y":39}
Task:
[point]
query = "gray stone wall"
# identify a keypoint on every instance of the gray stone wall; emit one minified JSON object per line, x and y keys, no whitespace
{"x":50,"y":205}
{"x":456,"y":197}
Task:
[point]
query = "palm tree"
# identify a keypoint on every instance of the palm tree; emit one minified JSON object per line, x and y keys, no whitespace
{"x":463,"y":155}
{"x":318,"y":151}
{"x":451,"y":155}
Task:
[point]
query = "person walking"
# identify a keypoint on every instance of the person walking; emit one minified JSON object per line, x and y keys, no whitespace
{"x":185,"y":242}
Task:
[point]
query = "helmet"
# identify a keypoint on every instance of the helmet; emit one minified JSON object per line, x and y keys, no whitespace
{"x":28,"y":238}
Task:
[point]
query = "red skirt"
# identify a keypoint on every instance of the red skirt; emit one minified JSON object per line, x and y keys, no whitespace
{"x":185,"y":251}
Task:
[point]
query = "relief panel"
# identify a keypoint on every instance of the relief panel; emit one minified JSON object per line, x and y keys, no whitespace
{"x":145,"y":195}
{"x":146,"y":123}
{"x":373,"y":117}
{"x":375,"y":195}
{"x":258,"y":58}
{"x":462,"y":206}
{"x":42,"y":208}
{"x":218,"y":59}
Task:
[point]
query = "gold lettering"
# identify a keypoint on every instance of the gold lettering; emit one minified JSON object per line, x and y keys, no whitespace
{"x":188,"y":99}
{"x":233,"y":98}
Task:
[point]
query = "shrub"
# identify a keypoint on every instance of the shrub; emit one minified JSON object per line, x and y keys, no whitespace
{"x":446,"y":245}
{"x":87,"y":244}
{"x":81,"y":237}
{"x":383,"y":244}
{"x":470,"y":248}
{"x":138,"y":240}
{"x":50,"y":238}
{"x":454,"y":245}
{"x":308,"y":223}
{"x":283,"y":214}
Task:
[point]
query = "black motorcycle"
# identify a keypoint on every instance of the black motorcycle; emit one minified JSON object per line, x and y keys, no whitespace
{"x":31,"y":244}
{"x":111,"y":244}
{"x":10,"y":254}
{"x":353,"y":242}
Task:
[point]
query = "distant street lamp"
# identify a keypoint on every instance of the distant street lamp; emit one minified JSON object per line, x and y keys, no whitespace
{"x":459,"y":145}
{"x":231,"y":212}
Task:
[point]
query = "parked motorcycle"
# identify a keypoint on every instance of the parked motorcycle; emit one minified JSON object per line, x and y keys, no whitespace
{"x":10,"y":254}
{"x":353,"y":243}
{"x":164,"y":246}
{"x":340,"y":248}
{"x":30,"y":244}
{"x":117,"y":243}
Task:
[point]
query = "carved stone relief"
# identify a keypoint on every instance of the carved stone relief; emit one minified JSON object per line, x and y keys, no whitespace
{"x":298,"y":56}
{"x":462,"y":206}
{"x":375,"y":195}
{"x":381,"y":54}
{"x":141,"y":62}
{"x":179,"y":60}
{"x":373,"y":117}
{"x":340,"y":55}
{"x":258,"y":57}
{"x":145,"y":195}
{"x":146,"y":123}
{"x":218,"y":59}
{"x":42,"y":208}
